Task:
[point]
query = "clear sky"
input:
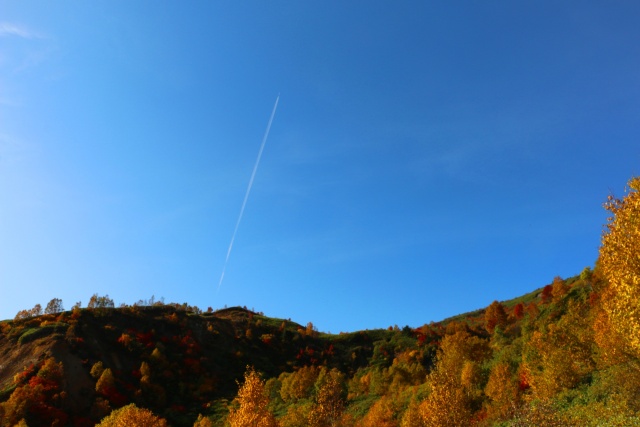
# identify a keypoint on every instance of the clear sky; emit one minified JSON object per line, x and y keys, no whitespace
{"x":426,"y":157}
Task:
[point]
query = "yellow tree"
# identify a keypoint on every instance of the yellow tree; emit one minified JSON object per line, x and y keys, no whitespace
{"x":502,"y":390}
{"x":329,"y":400}
{"x":152,"y":392}
{"x":411,"y":416}
{"x":560,"y":356}
{"x":203,"y":421}
{"x":540,"y":413}
{"x":447,"y":405}
{"x":610,"y":342}
{"x":106,"y":382}
{"x":453,"y":383}
{"x":252,"y":404}
{"x":296,"y":416}
{"x":381,"y":414}
{"x":97,"y":369}
{"x":132,"y":416}
{"x":620,"y":263}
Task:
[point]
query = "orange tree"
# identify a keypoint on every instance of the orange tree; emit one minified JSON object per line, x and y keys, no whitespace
{"x":494,"y":316}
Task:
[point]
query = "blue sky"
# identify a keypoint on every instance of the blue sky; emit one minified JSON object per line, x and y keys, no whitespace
{"x":425,"y":159}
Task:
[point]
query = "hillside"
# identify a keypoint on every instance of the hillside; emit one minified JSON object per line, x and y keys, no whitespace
{"x":567,"y":354}
{"x":195,"y":359}
{"x":180,"y":364}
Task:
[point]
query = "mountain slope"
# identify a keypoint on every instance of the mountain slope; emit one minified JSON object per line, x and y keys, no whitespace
{"x":192,"y":359}
{"x":544,"y":347}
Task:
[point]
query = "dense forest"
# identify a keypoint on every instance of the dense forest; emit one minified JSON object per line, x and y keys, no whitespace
{"x":566,"y":354}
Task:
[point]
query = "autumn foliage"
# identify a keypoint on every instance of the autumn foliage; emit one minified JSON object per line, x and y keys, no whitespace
{"x":132,"y":416}
{"x":620,"y":263}
{"x":251,"y":408}
{"x":495,"y":316}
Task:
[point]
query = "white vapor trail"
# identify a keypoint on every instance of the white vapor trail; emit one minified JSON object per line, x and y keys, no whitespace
{"x":246,"y":195}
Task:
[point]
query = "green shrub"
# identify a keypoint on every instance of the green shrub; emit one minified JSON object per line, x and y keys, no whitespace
{"x":31,"y":334}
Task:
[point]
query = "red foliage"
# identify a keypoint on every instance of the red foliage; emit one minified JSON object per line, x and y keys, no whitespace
{"x":518,"y":311}
{"x":523,"y":383}
{"x":189,"y":344}
{"x":145,"y":339}
{"x":47,"y":385}
{"x":36,"y":394}
{"x":494,"y":316}
{"x":114,"y":396}
{"x":23,"y":376}
{"x":330,"y":351}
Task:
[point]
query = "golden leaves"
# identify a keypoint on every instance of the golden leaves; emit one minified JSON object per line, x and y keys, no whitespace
{"x":252,"y":404}
{"x":453,"y":381}
{"x":105,"y":382}
{"x":502,"y":390}
{"x":620,"y":263}
{"x":329,"y":402}
{"x":132,"y":416}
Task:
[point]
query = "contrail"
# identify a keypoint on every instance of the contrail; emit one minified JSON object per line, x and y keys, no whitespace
{"x":246,"y":195}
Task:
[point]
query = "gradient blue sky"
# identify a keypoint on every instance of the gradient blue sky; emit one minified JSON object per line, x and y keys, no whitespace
{"x":426,"y":157}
